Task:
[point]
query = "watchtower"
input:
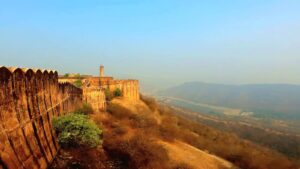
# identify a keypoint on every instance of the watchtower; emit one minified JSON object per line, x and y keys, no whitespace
{"x":101,"y":71}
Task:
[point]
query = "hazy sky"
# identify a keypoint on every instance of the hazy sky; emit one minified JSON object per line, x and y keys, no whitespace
{"x":158,"y":41}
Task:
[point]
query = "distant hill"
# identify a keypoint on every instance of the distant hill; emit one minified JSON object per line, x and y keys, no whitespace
{"x":264,"y":99}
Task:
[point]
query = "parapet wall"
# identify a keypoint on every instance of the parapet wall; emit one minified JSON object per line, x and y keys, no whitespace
{"x":29,"y":99}
{"x":130,"y":88}
{"x":95,"y":97}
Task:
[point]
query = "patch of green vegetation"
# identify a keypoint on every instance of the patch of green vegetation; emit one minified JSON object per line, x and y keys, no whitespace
{"x":77,"y":130}
{"x":66,"y":75}
{"x":78,"y":76}
{"x":117,"y":92}
{"x":78,"y":83}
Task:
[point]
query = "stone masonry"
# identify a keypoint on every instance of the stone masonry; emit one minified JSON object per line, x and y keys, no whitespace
{"x":29,"y":99}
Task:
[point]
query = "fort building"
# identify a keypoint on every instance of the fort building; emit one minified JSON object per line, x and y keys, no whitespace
{"x":95,"y":88}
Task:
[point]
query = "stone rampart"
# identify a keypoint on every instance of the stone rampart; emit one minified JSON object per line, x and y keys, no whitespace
{"x":95,"y":96}
{"x":29,"y":99}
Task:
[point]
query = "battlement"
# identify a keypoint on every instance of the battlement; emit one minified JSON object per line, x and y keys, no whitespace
{"x":29,"y":99}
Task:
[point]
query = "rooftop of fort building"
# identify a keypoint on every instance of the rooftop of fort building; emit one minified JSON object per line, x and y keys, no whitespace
{"x":83,"y":77}
{"x":71,"y":77}
{"x":79,"y":76}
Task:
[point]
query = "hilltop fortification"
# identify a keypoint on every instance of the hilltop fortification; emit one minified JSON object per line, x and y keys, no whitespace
{"x":96,"y":89}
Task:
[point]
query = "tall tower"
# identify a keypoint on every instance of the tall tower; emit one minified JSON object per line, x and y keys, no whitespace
{"x":101,"y":71}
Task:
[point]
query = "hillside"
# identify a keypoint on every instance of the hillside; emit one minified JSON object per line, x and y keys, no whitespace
{"x":147,"y":135}
{"x":278,"y":100}
{"x":175,"y":153}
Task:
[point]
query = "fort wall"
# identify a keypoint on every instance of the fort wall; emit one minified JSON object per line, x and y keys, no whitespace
{"x":129,"y":88}
{"x":29,"y":99}
{"x":95,"y":97}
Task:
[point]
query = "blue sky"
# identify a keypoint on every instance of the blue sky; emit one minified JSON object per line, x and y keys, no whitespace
{"x":160,"y":42}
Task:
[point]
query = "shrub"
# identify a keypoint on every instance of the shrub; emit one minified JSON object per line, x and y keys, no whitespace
{"x":76,"y":129}
{"x":117,"y":92}
{"x":67,"y":75}
{"x":78,"y":83}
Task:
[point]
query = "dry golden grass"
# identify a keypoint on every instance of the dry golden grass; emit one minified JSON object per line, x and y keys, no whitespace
{"x":141,"y":145}
{"x":147,"y":135}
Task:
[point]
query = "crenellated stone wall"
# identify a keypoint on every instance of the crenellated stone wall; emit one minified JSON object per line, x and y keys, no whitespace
{"x":130,"y":88}
{"x":29,"y":99}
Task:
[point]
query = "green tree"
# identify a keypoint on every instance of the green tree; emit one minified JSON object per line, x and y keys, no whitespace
{"x":78,"y":83}
{"x":67,"y":75}
{"x":77,"y":130}
{"x":117,"y":92}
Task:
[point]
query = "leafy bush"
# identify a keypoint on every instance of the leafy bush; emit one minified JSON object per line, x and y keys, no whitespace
{"x":78,"y":83}
{"x":117,"y":92}
{"x":67,"y":75}
{"x":76,"y":129}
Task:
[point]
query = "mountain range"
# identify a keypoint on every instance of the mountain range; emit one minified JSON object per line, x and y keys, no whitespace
{"x":269,"y":99}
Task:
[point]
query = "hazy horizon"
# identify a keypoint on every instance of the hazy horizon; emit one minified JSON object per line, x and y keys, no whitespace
{"x":160,"y":43}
